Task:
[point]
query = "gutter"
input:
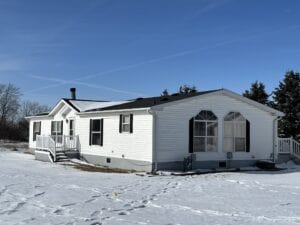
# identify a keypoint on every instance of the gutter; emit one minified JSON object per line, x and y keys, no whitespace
{"x":113,"y":111}
{"x":37,"y":117}
{"x":154,"y":149}
{"x":275,"y":137}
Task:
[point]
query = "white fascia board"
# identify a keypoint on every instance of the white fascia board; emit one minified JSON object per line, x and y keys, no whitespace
{"x":62,"y":101}
{"x":229,"y":93}
{"x":38,"y":117}
{"x":113,"y":111}
{"x":252,"y":102}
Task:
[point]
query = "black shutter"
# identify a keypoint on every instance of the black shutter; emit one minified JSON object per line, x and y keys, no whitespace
{"x":91,"y":126}
{"x":52,"y":126}
{"x":33,"y":131}
{"x":101,"y":129}
{"x":120,"y":124}
{"x":191,"y":136}
{"x":131,"y":123}
{"x":40,"y":128}
{"x":247,"y":136}
{"x":62,"y":127}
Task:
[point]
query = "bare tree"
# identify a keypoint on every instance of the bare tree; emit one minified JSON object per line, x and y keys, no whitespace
{"x":29,"y":108}
{"x":9,"y":102}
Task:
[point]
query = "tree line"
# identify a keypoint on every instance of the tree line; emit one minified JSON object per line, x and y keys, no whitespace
{"x":285,"y":98}
{"x":13,"y":110}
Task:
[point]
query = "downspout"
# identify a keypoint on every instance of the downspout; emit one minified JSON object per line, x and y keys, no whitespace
{"x":154,"y":153}
{"x":275,"y":137}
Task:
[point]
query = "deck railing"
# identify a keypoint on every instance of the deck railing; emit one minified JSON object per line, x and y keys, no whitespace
{"x":46,"y":143}
{"x":288,"y":145}
{"x":53,"y":143}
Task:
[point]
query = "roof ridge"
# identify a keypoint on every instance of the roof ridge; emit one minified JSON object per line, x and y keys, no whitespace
{"x":151,"y":101}
{"x":87,"y":100}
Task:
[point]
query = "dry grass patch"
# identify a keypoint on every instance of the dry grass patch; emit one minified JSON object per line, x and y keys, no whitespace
{"x":91,"y":168}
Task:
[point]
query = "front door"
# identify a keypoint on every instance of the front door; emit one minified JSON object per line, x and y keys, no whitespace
{"x":71,"y":140}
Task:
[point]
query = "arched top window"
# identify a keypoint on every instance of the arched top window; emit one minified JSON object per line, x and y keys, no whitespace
{"x":236,"y":133}
{"x":234,"y":116}
{"x":206,"y":115}
{"x":204,"y":132}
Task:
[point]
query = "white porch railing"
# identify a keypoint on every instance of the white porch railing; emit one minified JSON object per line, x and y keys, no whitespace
{"x":57,"y":142}
{"x":65,"y":142}
{"x":46,"y":143}
{"x":288,"y":145}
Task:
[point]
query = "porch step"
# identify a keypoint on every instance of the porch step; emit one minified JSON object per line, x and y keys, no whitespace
{"x":61,"y":157}
{"x":296,"y":158}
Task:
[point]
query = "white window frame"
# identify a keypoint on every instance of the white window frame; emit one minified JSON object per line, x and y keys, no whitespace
{"x":73,"y":128}
{"x":35,"y":133}
{"x":96,"y":132}
{"x":124,"y":124}
{"x":206,"y":136}
{"x":234,"y":122}
{"x":56,"y":132}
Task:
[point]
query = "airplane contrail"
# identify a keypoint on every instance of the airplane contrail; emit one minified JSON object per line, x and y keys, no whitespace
{"x":163,"y":58}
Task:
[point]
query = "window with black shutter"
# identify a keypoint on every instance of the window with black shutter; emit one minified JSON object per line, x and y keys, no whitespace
{"x":36,"y":129}
{"x":96,"y":132}
{"x":126,"y":123}
{"x":236,"y":133}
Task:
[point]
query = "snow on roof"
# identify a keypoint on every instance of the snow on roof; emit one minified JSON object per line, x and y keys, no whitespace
{"x":83,"y":105}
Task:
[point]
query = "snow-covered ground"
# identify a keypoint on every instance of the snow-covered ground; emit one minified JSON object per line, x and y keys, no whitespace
{"x":33,"y":192}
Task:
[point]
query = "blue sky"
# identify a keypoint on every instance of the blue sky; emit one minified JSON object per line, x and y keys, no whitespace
{"x":123,"y":49}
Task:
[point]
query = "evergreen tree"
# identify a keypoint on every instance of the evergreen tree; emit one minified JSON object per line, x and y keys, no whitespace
{"x":185,"y":89}
{"x":257,"y":93}
{"x":287,"y":99}
{"x":165,"y":93}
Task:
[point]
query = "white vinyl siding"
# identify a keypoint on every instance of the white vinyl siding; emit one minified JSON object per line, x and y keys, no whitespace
{"x":136,"y":145}
{"x":172,"y":128}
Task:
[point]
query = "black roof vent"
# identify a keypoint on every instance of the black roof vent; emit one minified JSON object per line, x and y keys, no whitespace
{"x":138,"y":99}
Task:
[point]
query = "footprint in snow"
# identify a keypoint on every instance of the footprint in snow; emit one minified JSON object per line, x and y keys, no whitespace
{"x":95,"y":213}
{"x":39,"y":194}
{"x":58,"y":212}
{"x":140,"y":207}
{"x":66,"y":205}
{"x":90,"y":200}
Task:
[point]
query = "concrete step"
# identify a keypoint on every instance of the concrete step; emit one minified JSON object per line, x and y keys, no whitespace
{"x":62,"y":160}
{"x":61,"y":156}
{"x":60,"y":153}
{"x":296,"y":158}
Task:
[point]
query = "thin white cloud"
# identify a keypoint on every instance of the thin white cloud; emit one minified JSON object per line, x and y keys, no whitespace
{"x":62,"y":82}
{"x":159,"y":59}
{"x":11,"y":65}
{"x":206,"y":7}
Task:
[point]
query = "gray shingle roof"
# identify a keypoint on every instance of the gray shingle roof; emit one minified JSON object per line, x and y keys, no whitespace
{"x":152,"y":101}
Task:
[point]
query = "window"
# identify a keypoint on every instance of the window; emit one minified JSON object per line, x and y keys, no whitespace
{"x":96,"y":132}
{"x":36,"y":129}
{"x":126,"y":123}
{"x":235,"y":132}
{"x":57,"y":131}
{"x":56,"y":128}
{"x":71,"y":129}
{"x":205,"y":132}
